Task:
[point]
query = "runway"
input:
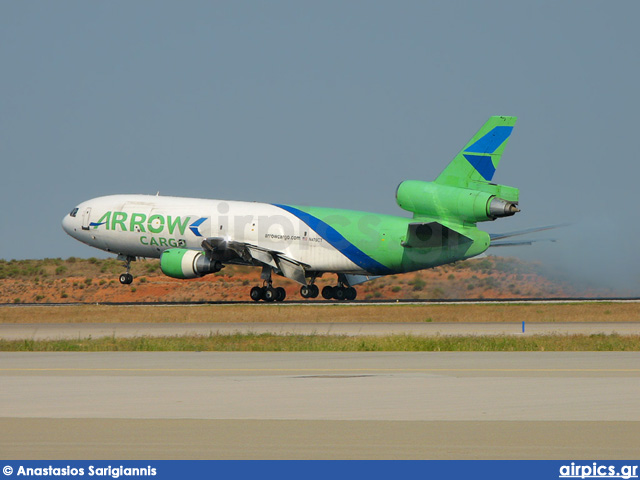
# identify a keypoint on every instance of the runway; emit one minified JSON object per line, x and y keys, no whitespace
{"x":377,"y":302}
{"x":320,"y":405}
{"x":128,"y":330}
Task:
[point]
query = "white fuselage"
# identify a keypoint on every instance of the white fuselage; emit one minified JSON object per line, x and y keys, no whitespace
{"x":146,"y":226}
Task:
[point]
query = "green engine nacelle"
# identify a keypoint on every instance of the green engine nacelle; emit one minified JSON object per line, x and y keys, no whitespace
{"x":183,"y":263}
{"x":443,"y":201}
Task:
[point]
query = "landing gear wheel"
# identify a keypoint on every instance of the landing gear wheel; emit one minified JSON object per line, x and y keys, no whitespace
{"x":268,"y":294}
{"x":340,"y":293}
{"x":327,"y":292}
{"x":351,"y":293}
{"x":126,"y":278}
{"x":281,"y":294}
{"x":256,"y":294}
{"x":309,"y":291}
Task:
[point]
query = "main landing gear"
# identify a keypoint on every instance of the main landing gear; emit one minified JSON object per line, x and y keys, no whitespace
{"x":309,"y":291}
{"x":126,"y":278}
{"x":339,"y":292}
{"x":342,"y":291}
{"x":267,"y":292}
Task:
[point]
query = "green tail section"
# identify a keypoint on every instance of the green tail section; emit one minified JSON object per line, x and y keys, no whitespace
{"x":476,"y":164}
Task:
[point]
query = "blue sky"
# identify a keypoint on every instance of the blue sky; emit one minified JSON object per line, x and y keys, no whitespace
{"x":322,"y":103}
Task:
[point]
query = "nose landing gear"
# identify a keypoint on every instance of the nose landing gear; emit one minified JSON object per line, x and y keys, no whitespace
{"x":126,"y":278}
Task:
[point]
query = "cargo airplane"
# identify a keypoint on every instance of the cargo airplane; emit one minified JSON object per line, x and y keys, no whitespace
{"x":196,"y":237}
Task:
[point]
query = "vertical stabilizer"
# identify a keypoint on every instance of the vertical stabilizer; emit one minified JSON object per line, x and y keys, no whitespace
{"x":479,"y":159}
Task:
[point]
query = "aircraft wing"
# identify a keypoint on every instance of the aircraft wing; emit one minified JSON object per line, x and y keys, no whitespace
{"x":222,"y":249}
{"x":353,"y":279}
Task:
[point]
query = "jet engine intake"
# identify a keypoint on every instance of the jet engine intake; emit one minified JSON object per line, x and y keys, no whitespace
{"x":183,"y":263}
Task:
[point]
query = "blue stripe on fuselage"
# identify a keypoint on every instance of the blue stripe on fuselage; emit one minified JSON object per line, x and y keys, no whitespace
{"x":335,"y":238}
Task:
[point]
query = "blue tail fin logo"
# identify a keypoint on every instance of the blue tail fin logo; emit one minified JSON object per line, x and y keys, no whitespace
{"x":487,"y":145}
{"x":479,"y":159}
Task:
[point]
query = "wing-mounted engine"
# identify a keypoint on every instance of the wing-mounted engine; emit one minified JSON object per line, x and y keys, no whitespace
{"x":183,"y":263}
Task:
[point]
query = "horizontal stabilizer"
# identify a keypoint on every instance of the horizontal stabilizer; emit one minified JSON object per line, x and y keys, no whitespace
{"x":433,"y":235}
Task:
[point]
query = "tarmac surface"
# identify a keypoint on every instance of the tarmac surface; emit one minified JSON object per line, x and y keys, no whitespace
{"x":128,"y":330}
{"x":391,"y":405}
{"x":319,"y":302}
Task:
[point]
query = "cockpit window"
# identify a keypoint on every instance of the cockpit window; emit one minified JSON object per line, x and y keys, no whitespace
{"x":74,"y":212}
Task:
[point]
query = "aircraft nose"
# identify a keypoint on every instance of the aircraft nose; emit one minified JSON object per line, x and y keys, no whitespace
{"x":67,"y":224}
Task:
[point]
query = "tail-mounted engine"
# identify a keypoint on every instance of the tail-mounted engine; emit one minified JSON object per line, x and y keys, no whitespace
{"x":442,"y":201}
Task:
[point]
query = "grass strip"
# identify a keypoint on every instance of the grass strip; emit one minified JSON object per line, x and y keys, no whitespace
{"x":330,"y":343}
{"x":326,"y":313}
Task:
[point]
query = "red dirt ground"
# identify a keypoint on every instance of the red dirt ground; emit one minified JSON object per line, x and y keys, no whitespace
{"x":92,"y":280}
